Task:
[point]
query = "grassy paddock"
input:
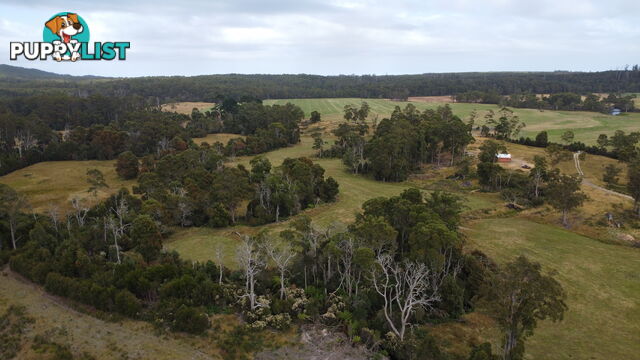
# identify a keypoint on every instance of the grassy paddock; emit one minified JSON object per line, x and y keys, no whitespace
{"x":57,"y":182}
{"x":212,"y":138}
{"x":602,"y":284}
{"x":187,"y":107}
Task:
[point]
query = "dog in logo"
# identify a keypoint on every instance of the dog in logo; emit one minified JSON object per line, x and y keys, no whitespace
{"x":65,"y":26}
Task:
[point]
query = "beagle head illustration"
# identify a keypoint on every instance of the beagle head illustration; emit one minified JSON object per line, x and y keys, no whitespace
{"x":65,"y":26}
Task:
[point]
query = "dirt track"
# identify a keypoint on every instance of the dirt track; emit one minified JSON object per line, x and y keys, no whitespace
{"x":576,"y":161}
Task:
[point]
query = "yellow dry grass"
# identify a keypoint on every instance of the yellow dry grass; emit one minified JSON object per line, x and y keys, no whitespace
{"x":212,"y":138}
{"x":187,"y":107}
{"x":58,"y":182}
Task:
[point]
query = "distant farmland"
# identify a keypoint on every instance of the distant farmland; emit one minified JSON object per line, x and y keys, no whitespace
{"x":586,"y":125}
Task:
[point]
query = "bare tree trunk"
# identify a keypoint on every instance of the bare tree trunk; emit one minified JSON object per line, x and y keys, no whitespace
{"x":12,"y":227}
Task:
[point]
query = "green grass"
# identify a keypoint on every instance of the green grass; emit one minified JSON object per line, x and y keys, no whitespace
{"x":602,"y":284}
{"x":200,"y":243}
{"x":586,"y":125}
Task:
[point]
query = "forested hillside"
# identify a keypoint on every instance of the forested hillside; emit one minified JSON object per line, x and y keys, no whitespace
{"x":15,"y":81}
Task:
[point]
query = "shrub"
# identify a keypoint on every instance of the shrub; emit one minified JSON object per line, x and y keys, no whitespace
{"x":190,"y":319}
{"x":127,"y":304}
{"x":127,"y":166}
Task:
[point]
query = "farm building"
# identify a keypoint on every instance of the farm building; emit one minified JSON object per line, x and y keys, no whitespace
{"x":504,"y":157}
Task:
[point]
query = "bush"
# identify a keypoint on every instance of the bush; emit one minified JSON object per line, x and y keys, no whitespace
{"x":482,"y":352}
{"x":127,"y":166}
{"x":127,"y":304}
{"x":190,"y":319}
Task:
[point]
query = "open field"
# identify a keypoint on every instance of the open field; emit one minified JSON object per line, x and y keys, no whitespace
{"x":586,"y":125}
{"x":431,"y":99}
{"x":602,"y":284}
{"x":57,"y":182}
{"x":187,"y":107}
{"x":212,"y":138}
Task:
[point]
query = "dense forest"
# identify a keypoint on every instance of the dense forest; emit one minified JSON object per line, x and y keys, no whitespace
{"x":15,"y":82}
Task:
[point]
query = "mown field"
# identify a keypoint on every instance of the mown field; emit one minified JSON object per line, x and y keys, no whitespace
{"x":586,"y":125}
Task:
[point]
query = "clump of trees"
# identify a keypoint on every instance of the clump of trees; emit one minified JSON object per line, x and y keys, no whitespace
{"x":506,"y":127}
{"x":265,"y":127}
{"x":194,"y":188}
{"x":400,"y":143}
{"x":285,"y":191}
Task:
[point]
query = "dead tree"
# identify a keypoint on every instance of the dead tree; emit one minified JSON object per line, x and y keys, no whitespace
{"x":219,"y":261}
{"x":350,"y":274}
{"x":54,"y":213}
{"x":405,"y":287}
{"x":80,"y":211}
{"x":120,"y":210}
{"x":116,"y":222}
{"x":282,"y":257}
{"x":24,"y":141}
{"x":251,"y":260}
{"x":112,"y":224}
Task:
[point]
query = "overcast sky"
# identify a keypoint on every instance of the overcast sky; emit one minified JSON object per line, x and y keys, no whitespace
{"x":339,"y":36}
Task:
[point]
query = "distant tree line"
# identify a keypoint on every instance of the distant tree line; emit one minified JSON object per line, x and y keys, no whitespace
{"x":212,"y":87}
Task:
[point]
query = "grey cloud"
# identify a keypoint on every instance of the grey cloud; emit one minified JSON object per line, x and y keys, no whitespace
{"x":347,"y":36}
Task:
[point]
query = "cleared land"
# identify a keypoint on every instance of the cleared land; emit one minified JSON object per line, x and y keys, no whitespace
{"x":602,"y":284}
{"x":58,"y":182}
{"x":212,"y":138}
{"x":187,"y":107}
{"x":586,"y":125}
{"x":431,"y":99}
